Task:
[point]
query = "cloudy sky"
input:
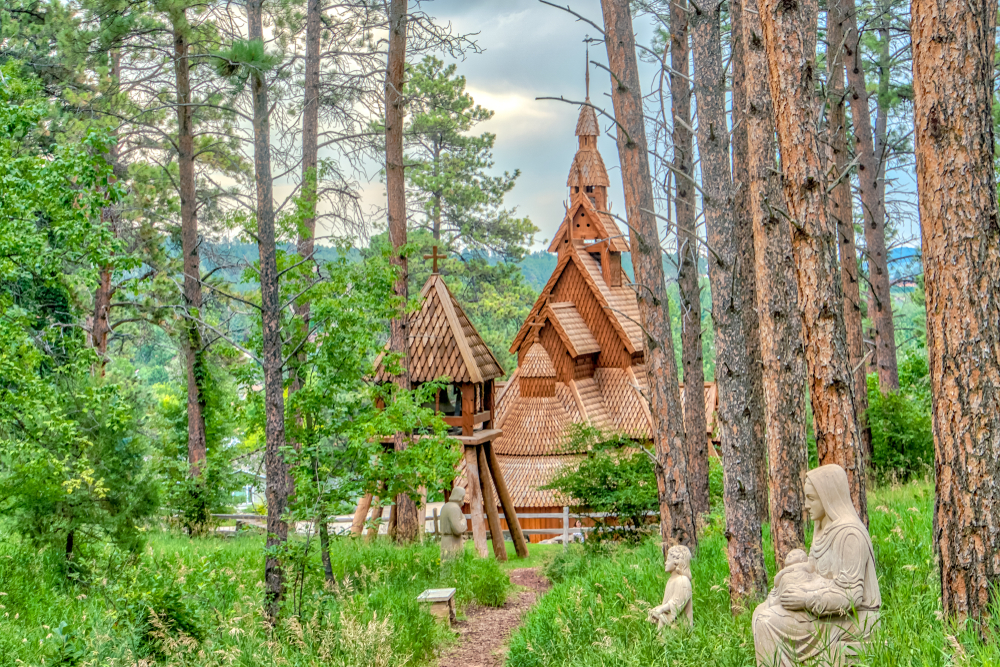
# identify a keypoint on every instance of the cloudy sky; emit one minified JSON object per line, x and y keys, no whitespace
{"x":533,"y":50}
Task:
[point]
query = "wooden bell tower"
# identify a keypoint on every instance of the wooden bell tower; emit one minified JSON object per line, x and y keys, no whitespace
{"x":444,"y":344}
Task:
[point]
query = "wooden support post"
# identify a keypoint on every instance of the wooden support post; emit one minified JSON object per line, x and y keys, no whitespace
{"x":437,"y":530}
{"x":360,"y":514}
{"x":565,"y":528}
{"x":489,"y":403}
{"x":376,"y":515}
{"x":509,"y":513}
{"x":468,"y":408}
{"x":496,"y":531}
{"x":475,"y":501}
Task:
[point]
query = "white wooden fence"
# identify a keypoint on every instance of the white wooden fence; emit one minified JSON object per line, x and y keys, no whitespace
{"x":565,"y":531}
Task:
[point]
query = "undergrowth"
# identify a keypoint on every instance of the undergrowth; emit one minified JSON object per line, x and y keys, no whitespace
{"x":199,"y":602}
{"x":596,"y":612}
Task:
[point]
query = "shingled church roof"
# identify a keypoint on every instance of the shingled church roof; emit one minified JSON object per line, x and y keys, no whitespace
{"x":443,"y":341}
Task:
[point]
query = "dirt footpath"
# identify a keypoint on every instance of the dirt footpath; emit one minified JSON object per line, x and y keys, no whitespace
{"x":485,"y":631}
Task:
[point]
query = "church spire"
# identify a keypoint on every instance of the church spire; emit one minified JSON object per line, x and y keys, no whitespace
{"x":587,"y":174}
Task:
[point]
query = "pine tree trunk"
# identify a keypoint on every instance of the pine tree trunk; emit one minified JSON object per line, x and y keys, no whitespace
{"x":695,"y":426}
{"x":743,"y":221}
{"x":782,"y":348}
{"x":677,"y":525}
{"x":406,"y":508}
{"x":197,"y":446}
{"x":310,"y":159}
{"x":842,"y":212}
{"x":307,"y":231}
{"x":789,"y":30}
{"x":953,"y":51}
{"x":869,"y":170}
{"x":100,"y":328}
{"x":747,"y":574}
{"x":279,"y":481}
{"x":324,"y":550}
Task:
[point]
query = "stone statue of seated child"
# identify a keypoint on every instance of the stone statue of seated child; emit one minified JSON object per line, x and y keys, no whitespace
{"x":798,"y":574}
{"x":677,"y":593}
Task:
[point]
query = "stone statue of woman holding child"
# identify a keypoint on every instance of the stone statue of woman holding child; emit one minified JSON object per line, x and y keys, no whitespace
{"x":825,"y":605}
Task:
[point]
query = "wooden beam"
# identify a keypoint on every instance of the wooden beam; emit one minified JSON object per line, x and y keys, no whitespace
{"x":475,"y":501}
{"x":360,"y":514}
{"x":496,"y":532}
{"x":510,"y":515}
{"x":456,"y":327}
{"x":468,"y":408}
{"x":477,"y":419}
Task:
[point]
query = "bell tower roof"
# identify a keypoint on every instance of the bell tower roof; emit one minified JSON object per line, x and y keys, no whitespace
{"x":586,"y":124}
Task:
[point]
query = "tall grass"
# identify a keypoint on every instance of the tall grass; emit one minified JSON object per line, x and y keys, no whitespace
{"x":199,"y":602}
{"x":595,"y":614}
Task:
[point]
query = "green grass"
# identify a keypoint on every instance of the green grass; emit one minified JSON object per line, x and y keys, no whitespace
{"x":199,"y":602}
{"x":539,"y":555}
{"x":595,"y":614}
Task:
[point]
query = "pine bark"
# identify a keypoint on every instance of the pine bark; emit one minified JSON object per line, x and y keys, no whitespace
{"x":100,"y":326}
{"x":842,"y":212}
{"x":406,"y":508}
{"x":307,"y":231}
{"x":677,"y":525}
{"x":789,"y":31}
{"x":276,"y":469}
{"x":197,"y":447}
{"x":747,"y":573}
{"x":743,"y":221}
{"x":870,"y":172}
{"x":310,"y":159}
{"x":953,"y":52}
{"x":782,"y":348}
{"x":695,"y":425}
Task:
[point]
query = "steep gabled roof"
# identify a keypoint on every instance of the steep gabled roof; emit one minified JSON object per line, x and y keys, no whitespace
{"x":586,"y":124}
{"x":443,"y":342}
{"x":537,"y":363}
{"x":572,"y":329}
{"x":618,"y":303}
{"x":588,"y":169}
{"x":603,"y":224}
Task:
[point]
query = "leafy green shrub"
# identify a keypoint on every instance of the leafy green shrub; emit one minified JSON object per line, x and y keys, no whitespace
{"x":193,"y":500}
{"x":900,"y":422}
{"x":612,"y":478}
{"x":75,"y":469}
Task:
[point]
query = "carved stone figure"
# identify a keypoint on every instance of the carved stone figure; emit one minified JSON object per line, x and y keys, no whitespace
{"x":453,"y":525}
{"x":823,"y":606}
{"x":677,"y":592}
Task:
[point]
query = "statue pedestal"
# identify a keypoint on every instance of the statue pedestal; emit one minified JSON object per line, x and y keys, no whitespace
{"x":441,"y":601}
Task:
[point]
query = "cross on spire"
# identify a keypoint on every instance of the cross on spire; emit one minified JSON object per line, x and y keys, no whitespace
{"x":587,"y":65}
{"x":435,"y":256}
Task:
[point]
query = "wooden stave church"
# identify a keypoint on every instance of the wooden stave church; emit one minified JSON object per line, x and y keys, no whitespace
{"x":580,"y":351}
{"x":580,"y":358}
